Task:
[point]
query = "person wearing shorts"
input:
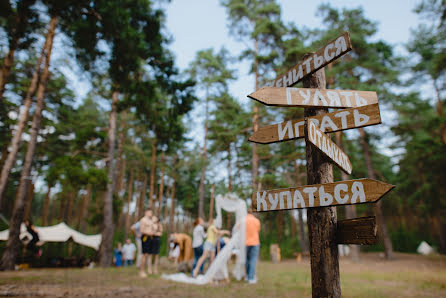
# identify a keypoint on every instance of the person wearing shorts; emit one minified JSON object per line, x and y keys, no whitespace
{"x":208,"y":247}
{"x":146,"y":229}
{"x":155,"y":243}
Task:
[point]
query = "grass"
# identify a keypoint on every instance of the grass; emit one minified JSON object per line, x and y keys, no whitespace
{"x":408,"y":276}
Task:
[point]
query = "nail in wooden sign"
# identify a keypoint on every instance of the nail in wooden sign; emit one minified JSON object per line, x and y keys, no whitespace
{"x":330,"y":122}
{"x":347,"y":192}
{"x":328,"y":147}
{"x":309,"y":97}
{"x":330,"y":52}
{"x":360,"y":231}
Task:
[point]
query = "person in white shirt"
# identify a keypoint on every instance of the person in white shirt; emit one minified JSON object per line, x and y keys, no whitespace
{"x":128,"y":252}
{"x":197,"y":242}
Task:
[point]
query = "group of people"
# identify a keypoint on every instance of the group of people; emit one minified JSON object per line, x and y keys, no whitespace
{"x":206,"y":245}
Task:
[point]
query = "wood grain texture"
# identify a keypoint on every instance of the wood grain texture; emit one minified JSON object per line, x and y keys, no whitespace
{"x":321,"y":222}
{"x":313,"y":62}
{"x":328,"y":147}
{"x":311,"y":97}
{"x":330,"y":122}
{"x":361,"y":231}
{"x":357,"y":191}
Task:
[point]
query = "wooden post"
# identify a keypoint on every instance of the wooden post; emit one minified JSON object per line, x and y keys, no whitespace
{"x":321,"y":221}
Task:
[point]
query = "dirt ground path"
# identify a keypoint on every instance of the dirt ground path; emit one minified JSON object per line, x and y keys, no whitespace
{"x":407,"y":276}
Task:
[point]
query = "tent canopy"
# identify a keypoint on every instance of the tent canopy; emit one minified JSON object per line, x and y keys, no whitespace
{"x":58,"y":233}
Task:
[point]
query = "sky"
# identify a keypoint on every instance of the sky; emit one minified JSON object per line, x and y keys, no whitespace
{"x":200,"y":24}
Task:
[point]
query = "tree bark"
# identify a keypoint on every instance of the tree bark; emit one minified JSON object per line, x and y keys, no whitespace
{"x":211,"y":205}
{"x":152,"y":175}
{"x":300,"y":220}
{"x":229,"y":169}
{"x":29,"y":200}
{"x":161,"y":189}
{"x":321,"y":222}
{"x":292,"y":225}
{"x":23,"y":117}
{"x":106,"y":250}
{"x":83,"y":214}
{"x":46,"y":206}
{"x":172,"y":205}
{"x":129,"y":202}
{"x":120,"y":167}
{"x":142,"y":198}
{"x":13,"y":243}
{"x":69,"y":207}
{"x":203,"y":162}
{"x":255,"y":125}
{"x":388,"y":249}
{"x":350,"y":210}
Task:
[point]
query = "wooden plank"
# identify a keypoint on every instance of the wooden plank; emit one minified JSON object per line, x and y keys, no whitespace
{"x":328,"y":53}
{"x":311,"y":97}
{"x":330,"y":122}
{"x":361,"y":231}
{"x":347,"y":192}
{"x":323,"y":142}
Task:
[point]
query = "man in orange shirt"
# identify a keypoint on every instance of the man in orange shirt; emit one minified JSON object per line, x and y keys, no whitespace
{"x":252,"y":246}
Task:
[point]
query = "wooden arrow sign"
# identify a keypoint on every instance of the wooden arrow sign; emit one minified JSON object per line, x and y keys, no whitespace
{"x":362,"y":231}
{"x":328,"y":147}
{"x":321,"y":195}
{"x":330,"y":122}
{"x":330,"y":52}
{"x":309,"y":97}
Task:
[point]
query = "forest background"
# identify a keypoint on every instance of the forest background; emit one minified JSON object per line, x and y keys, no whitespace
{"x":97,"y":121}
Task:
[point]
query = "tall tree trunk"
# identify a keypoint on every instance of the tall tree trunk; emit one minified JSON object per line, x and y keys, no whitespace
{"x":292,"y":225}
{"x":161,"y":189}
{"x":211,"y":205}
{"x":152,"y":175}
{"x":129,"y":202}
{"x":8,"y":61}
{"x":29,"y":200}
{"x":142,"y":197}
{"x":325,"y":280}
{"x":69,"y":207}
{"x":23,"y":117}
{"x":83,"y":214}
{"x":13,"y":243}
{"x":302,"y":237}
{"x":172,"y":205}
{"x":46,"y":206}
{"x":121,"y":165}
{"x":203,"y":162}
{"x":106,"y":250}
{"x":255,"y":124}
{"x":350,"y":210}
{"x":388,"y":249}
{"x":166,"y":210}
{"x":440,"y":112}
{"x":229,"y":169}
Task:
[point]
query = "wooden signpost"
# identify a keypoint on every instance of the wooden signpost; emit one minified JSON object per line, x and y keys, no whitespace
{"x":330,"y":122}
{"x":330,"y":52}
{"x":358,"y":109}
{"x":309,"y":97}
{"x":360,"y":231}
{"x":328,"y":147}
{"x":347,"y":192}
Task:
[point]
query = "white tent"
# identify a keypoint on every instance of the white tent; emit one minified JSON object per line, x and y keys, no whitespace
{"x":58,"y":233}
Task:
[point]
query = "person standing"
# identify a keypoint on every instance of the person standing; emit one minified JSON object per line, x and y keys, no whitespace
{"x":136,"y":229}
{"x":208,"y":247}
{"x":128,"y":252}
{"x":197,"y":242}
{"x":155,"y":243}
{"x":252,"y":243}
{"x":146,"y":229}
{"x":118,"y":255}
